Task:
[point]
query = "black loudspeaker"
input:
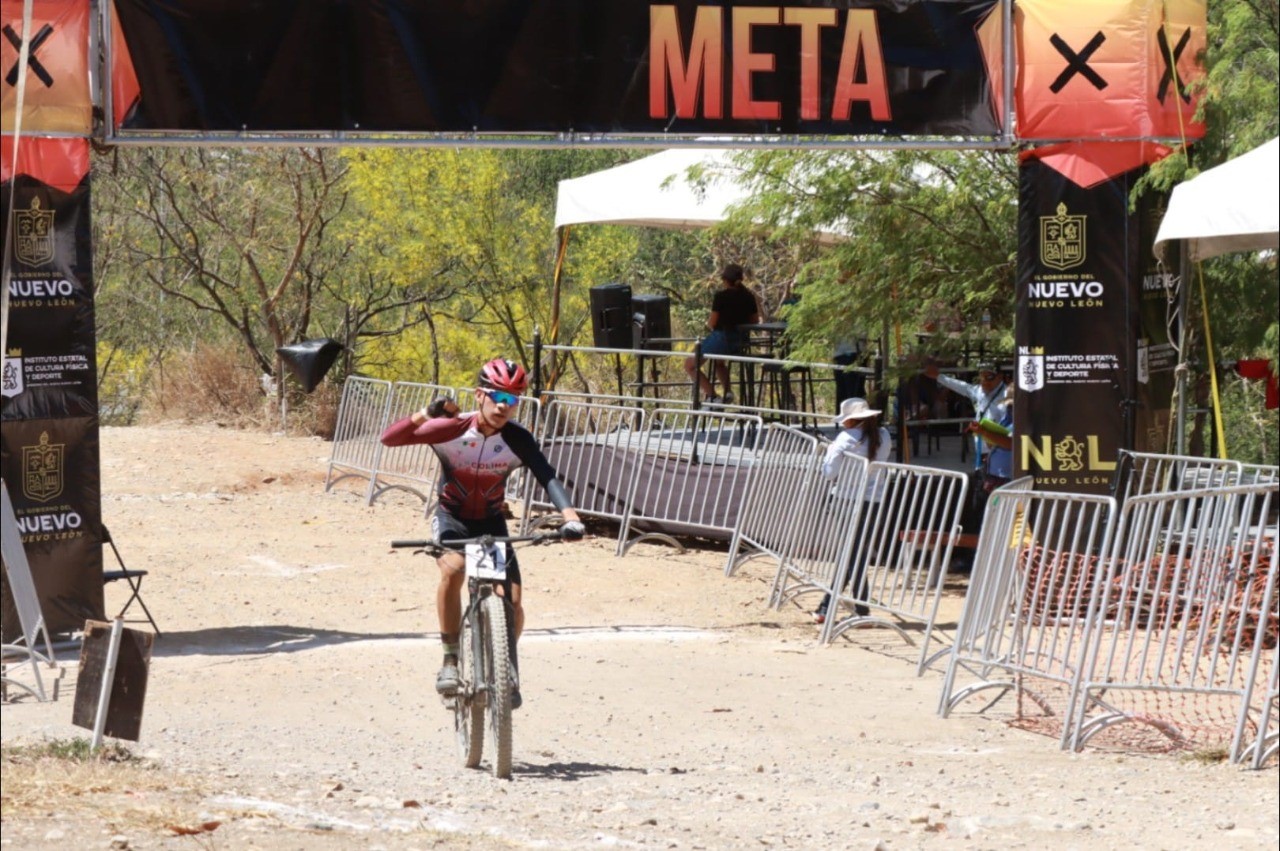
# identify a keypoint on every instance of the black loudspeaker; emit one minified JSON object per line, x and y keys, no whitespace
{"x":611,"y":316}
{"x":652,"y":321}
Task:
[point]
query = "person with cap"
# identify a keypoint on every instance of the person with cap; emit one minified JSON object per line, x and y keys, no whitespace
{"x":860,"y":434}
{"x":987,"y":395}
{"x":732,"y":307}
{"x":999,"y":466}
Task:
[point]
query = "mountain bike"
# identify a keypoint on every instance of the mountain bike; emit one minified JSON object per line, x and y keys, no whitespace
{"x":486,"y":645}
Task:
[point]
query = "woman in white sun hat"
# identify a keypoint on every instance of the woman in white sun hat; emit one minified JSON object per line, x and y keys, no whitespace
{"x":860,"y":434}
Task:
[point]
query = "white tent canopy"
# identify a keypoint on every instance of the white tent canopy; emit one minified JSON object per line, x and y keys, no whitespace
{"x":656,"y":192}
{"x":1232,"y":207}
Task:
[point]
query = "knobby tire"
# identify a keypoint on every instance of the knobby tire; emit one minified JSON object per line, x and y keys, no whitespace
{"x":468,"y":708}
{"x":493,"y":620}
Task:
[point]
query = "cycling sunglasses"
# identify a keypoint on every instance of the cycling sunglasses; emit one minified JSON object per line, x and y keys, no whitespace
{"x":500,"y":397}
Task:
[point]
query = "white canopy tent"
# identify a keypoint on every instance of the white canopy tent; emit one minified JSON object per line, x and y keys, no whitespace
{"x":1232,"y":207}
{"x":655,"y":192}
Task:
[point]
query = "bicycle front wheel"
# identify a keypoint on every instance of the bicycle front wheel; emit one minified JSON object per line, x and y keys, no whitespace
{"x":493,"y":623}
{"x":468,"y":708}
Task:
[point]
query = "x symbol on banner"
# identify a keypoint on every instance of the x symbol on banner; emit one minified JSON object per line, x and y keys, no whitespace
{"x":1077,"y":63}
{"x":34,"y":64}
{"x":1170,"y":66}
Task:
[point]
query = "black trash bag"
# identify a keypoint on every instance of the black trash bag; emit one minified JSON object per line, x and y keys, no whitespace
{"x":310,"y":360}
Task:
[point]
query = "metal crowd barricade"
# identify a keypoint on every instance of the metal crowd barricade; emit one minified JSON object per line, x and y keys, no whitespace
{"x":595,"y":450}
{"x":692,"y":475}
{"x":1026,"y":614}
{"x":985,"y":606}
{"x":787,"y":466}
{"x":819,"y":549}
{"x":1266,"y":740}
{"x":414,"y":467}
{"x":1252,"y":474}
{"x":910,"y":522}
{"x":1186,"y":607}
{"x":634,"y":402}
{"x":362,"y":415}
{"x":1139,"y":473}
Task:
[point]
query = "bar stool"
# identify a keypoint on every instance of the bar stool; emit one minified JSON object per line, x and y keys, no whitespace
{"x":761,"y":340}
{"x":780,"y":384}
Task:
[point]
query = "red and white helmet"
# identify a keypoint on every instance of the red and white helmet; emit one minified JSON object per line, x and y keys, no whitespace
{"x":503,"y":374}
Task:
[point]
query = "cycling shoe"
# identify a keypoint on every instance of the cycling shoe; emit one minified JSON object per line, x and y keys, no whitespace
{"x":447,"y":680}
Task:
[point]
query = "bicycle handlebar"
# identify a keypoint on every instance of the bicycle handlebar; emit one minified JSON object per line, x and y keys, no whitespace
{"x":484,"y":540}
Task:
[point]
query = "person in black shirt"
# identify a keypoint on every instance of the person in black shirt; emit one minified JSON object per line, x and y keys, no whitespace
{"x":733,"y":306}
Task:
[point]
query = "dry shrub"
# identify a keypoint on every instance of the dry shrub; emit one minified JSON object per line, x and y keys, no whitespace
{"x":215,"y":382}
{"x":211,"y":383}
{"x":316,"y":414}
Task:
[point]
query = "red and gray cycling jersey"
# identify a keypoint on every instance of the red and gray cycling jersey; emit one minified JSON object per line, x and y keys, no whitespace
{"x":475,"y":467}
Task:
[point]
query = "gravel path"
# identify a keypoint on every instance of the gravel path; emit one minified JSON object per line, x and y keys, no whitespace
{"x":665,"y":706}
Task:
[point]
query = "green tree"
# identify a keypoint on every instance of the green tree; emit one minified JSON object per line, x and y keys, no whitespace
{"x":475,"y":228}
{"x":240,"y":236}
{"x":932,"y":245}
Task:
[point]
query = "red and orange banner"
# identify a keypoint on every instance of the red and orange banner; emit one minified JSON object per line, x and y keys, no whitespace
{"x":1108,"y":69}
{"x":56,"y":97}
{"x":56,"y":77}
{"x":1086,"y":69}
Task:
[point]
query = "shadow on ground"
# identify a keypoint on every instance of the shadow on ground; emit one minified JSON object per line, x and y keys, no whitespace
{"x":571,"y":771}
{"x":274,"y":638}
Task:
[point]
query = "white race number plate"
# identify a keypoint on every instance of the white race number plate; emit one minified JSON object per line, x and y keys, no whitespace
{"x":488,"y":563}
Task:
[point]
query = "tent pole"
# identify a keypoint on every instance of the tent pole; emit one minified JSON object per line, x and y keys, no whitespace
{"x":563,"y":249}
{"x":1180,"y":416}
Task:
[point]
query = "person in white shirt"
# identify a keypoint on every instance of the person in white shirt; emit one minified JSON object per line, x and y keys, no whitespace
{"x":987,"y":396}
{"x":860,"y":434}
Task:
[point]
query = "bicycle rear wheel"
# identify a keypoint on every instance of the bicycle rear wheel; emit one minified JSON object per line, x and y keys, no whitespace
{"x":493,"y":621}
{"x":468,"y":710}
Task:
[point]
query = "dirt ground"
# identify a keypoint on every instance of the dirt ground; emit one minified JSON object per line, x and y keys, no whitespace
{"x":290,"y":702}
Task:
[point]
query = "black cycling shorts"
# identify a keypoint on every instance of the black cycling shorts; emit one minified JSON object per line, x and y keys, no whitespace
{"x":446,"y":527}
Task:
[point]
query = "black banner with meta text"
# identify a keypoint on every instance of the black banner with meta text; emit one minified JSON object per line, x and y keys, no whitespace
{"x":49,"y":407}
{"x":1081,"y":258}
{"x":906,"y":67}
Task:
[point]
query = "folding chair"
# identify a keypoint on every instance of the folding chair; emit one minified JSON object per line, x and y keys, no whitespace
{"x":132,"y":577}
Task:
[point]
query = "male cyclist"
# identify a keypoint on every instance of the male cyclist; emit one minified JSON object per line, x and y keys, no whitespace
{"x":477,"y":453}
